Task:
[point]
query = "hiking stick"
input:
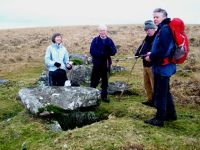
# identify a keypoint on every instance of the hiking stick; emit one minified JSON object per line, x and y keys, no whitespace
{"x":136,"y":58}
{"x":141,"y":56}
{"x":128,"y":79}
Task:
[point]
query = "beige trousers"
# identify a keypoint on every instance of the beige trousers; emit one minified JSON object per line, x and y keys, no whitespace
{"x":148,"y":82}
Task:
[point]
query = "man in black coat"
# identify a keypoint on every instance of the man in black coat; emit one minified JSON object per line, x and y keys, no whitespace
{"x":144,"y":48}
{"x":102,"y":47}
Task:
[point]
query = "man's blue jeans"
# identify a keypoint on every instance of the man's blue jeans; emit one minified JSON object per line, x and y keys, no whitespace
{"x":163,"y":98}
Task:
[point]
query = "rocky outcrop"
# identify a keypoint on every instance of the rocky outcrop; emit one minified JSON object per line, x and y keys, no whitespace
{"x":116,"y":69}
{"x":3,"y":81}
{"x":80,"y":75}
{"x":115,"y":88}
{"x":67,"y":98}
{"x":43,"y":79}
{"x":84,"y":58}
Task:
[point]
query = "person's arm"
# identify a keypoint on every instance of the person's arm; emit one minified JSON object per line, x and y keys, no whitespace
{"x":113,"y":48}
{"x":163,"y":45}
{"x":167,"y":42}
{"x":109,"y":48}
{"x":137,"y":51}
{"x":48,"y":58}
{"x":66,"y":57}
{"x":66,"y":60}
{"x":166,"y":39}
{"x":140,"y":49}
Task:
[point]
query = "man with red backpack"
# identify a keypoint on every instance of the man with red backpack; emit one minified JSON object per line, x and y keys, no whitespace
{"x":163,"y":47}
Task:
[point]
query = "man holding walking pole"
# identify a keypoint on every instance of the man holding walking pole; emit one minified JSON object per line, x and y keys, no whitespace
{"x":144,"y":48}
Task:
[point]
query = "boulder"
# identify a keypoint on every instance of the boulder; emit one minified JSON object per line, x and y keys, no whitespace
{"x":80,"y":75}
{"x":30,"y":100}
{"x":82,"y":57}
{"x":3,"y":81}
{"x":54,"y":126}
{"x":67,"y":98}
{"x":115,"y":88}
{"x":43,"y":79}
{"x":116,"y":69}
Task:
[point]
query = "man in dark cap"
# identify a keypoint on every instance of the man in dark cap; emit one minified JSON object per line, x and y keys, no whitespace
{"x":144,"y":48}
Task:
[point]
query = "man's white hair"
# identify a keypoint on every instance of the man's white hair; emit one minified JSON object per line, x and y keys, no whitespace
{"x":102,"y":27}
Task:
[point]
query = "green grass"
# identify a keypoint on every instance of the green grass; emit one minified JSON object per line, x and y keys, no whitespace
{"x":124,"y":128}
{"x":24,"y":77}
{"x":28,"y":73}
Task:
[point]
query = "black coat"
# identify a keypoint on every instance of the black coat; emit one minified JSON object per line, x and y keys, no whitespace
{"x":144,"y":48}
{"x":101,"y":50}
{"x":59,"y":77}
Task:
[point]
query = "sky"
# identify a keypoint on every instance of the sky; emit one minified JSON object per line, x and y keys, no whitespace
{"x":43,"y":13}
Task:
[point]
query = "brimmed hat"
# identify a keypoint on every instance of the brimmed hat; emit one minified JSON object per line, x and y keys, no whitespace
{"x":149,"y":25}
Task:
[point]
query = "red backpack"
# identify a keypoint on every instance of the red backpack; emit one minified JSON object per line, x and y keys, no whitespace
{"x":181,"y":41}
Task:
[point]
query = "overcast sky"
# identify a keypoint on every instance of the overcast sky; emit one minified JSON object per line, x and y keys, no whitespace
{"x":34,"y":13}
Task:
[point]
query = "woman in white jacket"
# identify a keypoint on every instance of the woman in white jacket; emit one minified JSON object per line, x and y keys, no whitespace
{"x":57,"y":61}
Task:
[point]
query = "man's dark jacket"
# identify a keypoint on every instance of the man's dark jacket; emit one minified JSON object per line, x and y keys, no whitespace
{"x":144,"y":48}
{"x":101,"y":50}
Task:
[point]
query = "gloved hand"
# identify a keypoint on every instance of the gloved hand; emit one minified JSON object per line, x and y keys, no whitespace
{"x":69,"y":66}
{"x":57,"y":64}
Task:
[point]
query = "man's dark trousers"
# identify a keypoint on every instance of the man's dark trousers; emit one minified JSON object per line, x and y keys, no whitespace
{"x":100,"y":71}
{"x":163,"y":98}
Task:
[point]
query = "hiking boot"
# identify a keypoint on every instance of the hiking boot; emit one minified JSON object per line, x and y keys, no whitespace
{"x":105,"y":99}
{"x":171,"y":118}
{"x":147,"y":103}
{"x":155,"y":122}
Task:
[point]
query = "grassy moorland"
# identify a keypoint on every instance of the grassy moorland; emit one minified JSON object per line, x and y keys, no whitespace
{"x":21,"y":59}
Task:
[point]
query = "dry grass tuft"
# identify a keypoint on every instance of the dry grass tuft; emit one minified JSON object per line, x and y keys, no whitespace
{"x":133,"y":147}
{"x":186,"y":92}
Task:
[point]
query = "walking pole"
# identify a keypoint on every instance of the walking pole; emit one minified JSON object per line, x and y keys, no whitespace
{"x":128,"y":79}
{"x":136,"y":58}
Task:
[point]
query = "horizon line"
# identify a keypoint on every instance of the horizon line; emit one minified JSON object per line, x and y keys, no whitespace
{"x":55,"y":26}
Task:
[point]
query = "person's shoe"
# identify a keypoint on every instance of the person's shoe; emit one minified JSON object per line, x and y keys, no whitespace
{"x":155,"y":122}
{"x":171,"y":118}
{"x":105,"y":99}
{"x":147,"y":103}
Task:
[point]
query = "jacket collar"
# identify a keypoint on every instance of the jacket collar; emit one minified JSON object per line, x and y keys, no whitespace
{"x":101,"y":38}
{"x":57,"y":46}
{"x":165,"y":21}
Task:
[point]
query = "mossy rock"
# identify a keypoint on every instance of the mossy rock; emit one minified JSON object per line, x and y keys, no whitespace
{"x":77,"y":62}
